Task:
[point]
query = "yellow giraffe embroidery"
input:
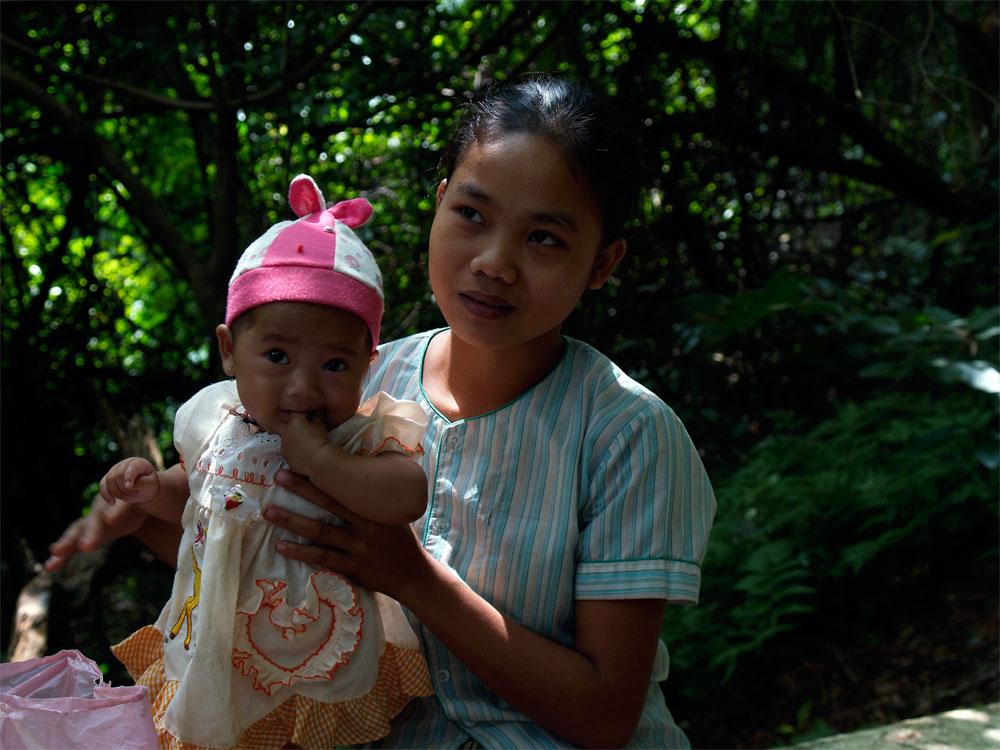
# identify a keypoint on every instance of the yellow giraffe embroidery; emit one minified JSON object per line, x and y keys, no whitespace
{"x":189,"y":604}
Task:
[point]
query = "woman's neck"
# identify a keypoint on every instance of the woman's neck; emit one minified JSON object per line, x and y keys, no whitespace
{"x":464,"y":381}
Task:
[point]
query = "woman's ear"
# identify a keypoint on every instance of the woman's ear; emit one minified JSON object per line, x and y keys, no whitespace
{"x":605,"y":263}
{"x":440,"y":191}
{"x":226,"y":345}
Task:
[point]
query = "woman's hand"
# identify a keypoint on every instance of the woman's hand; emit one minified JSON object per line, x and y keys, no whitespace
{"x":379,"y":557}
{"x":104,"y":523}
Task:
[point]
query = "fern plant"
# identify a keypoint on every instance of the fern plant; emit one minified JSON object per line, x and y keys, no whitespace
{"x":837,"y":518}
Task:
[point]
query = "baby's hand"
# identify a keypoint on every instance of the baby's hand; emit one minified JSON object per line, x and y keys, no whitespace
{"x":304,"y":437}
{"x":133,"y":480}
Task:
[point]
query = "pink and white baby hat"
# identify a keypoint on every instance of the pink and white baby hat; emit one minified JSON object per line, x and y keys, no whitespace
{"x":316,"y":258}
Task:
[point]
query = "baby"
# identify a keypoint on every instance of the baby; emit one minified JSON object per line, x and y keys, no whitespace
{"x":253,"y":648}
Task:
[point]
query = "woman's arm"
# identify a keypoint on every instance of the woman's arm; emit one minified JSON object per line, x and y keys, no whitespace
{"x":162,"y":538}
{"x":591,"y":694}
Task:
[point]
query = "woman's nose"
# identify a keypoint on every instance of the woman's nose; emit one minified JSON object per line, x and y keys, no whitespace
{"x":496,"y":259}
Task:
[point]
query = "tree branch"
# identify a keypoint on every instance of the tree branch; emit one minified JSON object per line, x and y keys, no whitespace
{"x":151,"y":97}
{"x":99,"y":152}
{"x":300,"y":74}
{"x":897,"y":169}
{"x":303,"y":72}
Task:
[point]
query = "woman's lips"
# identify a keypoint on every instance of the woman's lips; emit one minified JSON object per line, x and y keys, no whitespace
{"x":485,"y":305}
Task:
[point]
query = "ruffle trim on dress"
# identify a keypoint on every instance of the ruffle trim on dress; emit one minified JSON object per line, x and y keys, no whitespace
{"x":307,"y":722}
{"x":329,"y":614}
{"x":383,"y":424}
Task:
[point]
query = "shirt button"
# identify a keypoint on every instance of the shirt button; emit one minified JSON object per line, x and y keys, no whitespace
{"x":440,"y":525}
{"x":443,"y":676}
{"x":454,"y":440}
{"x":468,"y":724}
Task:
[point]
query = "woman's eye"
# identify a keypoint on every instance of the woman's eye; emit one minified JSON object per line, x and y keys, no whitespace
{"x":544,"y":238}
{"x":470,"y":214}
{"x":277,"y":356}
{"x":335,"y":365}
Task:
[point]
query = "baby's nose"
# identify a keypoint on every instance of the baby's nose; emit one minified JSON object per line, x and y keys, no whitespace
{"x":303,"y":385}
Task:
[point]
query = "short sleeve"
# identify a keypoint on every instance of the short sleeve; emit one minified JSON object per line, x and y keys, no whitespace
{"x":383,"y":424}
{"x":648,"y":514}
{"x":199,"y":417}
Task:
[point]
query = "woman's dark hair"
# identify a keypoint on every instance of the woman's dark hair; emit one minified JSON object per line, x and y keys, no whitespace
{"x":599,"y":142}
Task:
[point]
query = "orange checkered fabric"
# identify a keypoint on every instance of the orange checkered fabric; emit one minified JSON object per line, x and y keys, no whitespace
{"x":303,"y":721}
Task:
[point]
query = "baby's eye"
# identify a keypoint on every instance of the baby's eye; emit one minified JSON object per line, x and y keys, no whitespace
{"x":544,"y":238}
{"x":335,"y":365}
{"x":277,"y":356}
{"x":470,"y":214}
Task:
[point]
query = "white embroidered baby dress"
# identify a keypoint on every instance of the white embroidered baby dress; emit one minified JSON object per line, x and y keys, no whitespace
{"x":253,"y":649}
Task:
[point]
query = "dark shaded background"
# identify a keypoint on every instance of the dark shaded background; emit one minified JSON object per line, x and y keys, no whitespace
{"x":812,"y":287}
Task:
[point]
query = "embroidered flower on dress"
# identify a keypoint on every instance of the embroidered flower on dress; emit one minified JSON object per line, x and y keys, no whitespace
{"x":234,"y":498}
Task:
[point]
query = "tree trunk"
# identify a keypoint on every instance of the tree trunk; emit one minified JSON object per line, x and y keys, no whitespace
{"x":31,"y":619}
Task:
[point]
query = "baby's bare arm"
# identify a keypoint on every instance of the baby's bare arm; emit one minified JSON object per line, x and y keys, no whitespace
{"x":134,"y":480}
{"x":169,"y":502}
{"x":387,"y":488}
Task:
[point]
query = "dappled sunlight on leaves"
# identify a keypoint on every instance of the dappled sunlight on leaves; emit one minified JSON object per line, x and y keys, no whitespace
{"x":810,"y":283}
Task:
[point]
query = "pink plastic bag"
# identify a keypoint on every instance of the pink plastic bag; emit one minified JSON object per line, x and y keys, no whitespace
{"x":61,"y":701}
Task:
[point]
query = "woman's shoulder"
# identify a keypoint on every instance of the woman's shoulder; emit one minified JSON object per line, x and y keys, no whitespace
{"x":612,"y":401}
{"x":600,"y":377}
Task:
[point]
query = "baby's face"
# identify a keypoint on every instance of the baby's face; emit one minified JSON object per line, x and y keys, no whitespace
{"x":297,"y":357}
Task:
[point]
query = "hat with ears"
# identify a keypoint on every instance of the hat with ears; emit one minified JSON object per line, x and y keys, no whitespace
{"x":316,"y":258}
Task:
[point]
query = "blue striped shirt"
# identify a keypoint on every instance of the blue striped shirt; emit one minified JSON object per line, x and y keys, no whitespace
{"x":586,"y":486}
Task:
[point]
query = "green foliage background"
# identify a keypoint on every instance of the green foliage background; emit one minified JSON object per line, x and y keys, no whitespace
{"x":812,"y":283}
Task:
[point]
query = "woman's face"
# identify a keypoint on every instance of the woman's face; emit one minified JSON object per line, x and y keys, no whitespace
{"x":514,"y":243}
